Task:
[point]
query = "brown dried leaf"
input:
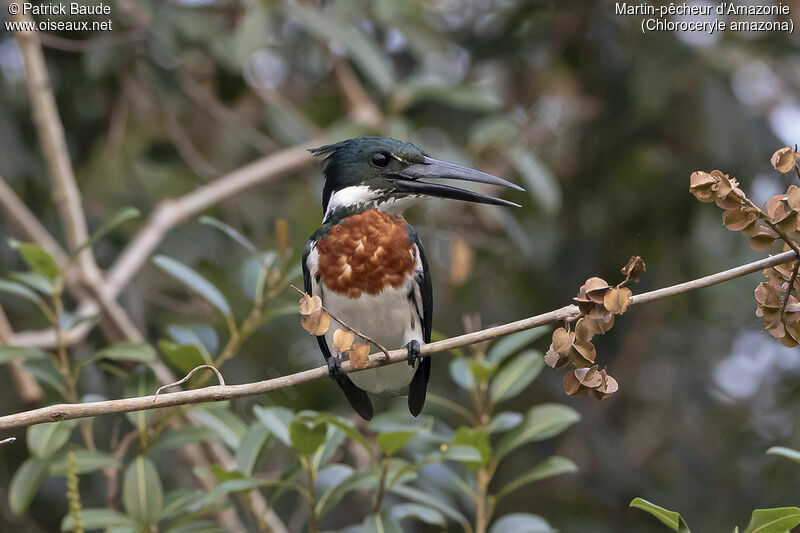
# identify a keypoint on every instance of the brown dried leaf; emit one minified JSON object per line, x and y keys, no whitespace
{"x":784,"y":160}
{"x":793,"y":198}
{"x":595,"y":289}
{"x":572,"y":385}
{"x":585,"y":330}
{"x":608,"y":387}
{"x":586,"y":351}
{"x":603,"y":325}
{"x":589,"y":377}
{"x":554,"y":359}
{"x":343,"y":340}
{"x":738,"y":219}
{"x":310,"y":305}
{"x":617,"y":300}
{"x":767,"y":295}
{"x":313,"y":318}
{"x":359,"y":355}
{"x":700,"y":185}
{"x":763,"y":240}
{"x":793,"y":332}
{"x":562,"y":340}
{"x":634,"y":269}
{"x":774,"y":203}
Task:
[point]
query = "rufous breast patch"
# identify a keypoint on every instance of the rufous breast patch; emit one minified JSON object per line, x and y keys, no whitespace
{"x":366,"y":253}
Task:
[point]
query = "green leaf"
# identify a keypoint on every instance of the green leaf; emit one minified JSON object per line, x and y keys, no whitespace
{"x":180,"y":501}
{"x":391,"y":442}
{"x":93,"y":519}
{"x":360,"y":479}
{"x":11,"y":353}
{"x":502,"y":422}
{"x":776,"y":520}
{"x":478,"y":439}
{"x":37,"y":259}
{"x":460,"y":373}
{"x":224,"y":422}
{"x":46,"y":439}
{"x":552,"y":466}
{"x":426,"y":498}
{"x":353,"y":433}
{"x":461,"y":97}
{"x":424,"y":513}
{"x":306,"y":435}
{"x":277,"y":420}
{"x":669,"y":518}
{"x":229,"y":231}
{"x":86,"y":460}
{"x":511,"y":344}
{"x":25,"y":483}
{"x":539,"y":180}
{"x":482,"y":370}
{"x":17,"y":289}
{"x":46,"y":373}
{"x":380,"y":523}
{"x":185,"y":357}
{"x":120,"y":217}
{"x":542,"y":422}
{"x":33,"y":280}
{"x":463,"y":453}
{"x":364,"y":52}
{"x":521,"y":523}
{"x":140,"y":382}
{"x":176,"y":438}
{"x":142,"y":492}
{"x":128,"y":351}
{"x":194,"y":281}
{"x":516,"y":375}
{"x":251,"y":447}
{"x":789,"y":453}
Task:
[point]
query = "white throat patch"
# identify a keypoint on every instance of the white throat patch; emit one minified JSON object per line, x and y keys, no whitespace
{"x":361,"y":194}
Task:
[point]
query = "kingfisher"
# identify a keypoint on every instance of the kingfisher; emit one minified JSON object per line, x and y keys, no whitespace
{"x":367,"y":263}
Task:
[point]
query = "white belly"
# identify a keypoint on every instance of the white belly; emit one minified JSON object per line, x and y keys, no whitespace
{"x":389,"y":318}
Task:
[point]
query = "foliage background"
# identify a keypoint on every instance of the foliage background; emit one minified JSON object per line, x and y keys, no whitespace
{"x":602,"y":125}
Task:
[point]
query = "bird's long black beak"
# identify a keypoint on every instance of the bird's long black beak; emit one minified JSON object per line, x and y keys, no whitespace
{"x":409,"y":180}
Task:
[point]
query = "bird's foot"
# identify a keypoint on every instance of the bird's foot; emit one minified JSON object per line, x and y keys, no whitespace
{"x":414,"y":354}
{"x":334,"y":367}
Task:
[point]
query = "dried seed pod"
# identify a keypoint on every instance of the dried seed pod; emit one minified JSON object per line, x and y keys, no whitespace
{"x":359,"y":355}
{"x":313,"y":317}
{"x":343,"y":340}
{"x":634,"y":269}
{"x":784,"y":159}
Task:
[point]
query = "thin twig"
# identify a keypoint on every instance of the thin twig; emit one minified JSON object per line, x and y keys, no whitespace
{"x":218,"y":393}
{"x":349,"y":327}
{"x":9,"y":440}
{"x":189,"y":376}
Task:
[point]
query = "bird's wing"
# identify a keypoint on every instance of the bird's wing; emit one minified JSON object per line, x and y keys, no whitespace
{"x":419,"y":383}
{"x":357,"y":397}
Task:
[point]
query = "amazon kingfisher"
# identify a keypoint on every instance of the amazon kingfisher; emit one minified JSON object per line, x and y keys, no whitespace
{"x":367,"y":263}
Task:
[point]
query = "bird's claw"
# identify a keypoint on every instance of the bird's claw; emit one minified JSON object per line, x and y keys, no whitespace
{"x":414,"y":354}
{"x":334,"y":366}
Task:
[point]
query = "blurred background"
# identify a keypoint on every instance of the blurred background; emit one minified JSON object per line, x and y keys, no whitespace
{"x":601,"y":124}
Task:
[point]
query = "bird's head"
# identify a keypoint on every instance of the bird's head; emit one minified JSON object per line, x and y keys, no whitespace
{"x":389,"y":175}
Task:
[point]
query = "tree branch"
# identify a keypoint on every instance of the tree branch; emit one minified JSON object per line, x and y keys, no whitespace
{"x":219,"y":393}
{"x":167,"y":215}
{"x":66,"y":194}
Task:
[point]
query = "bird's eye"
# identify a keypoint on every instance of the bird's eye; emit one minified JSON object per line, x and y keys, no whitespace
{"x":380,"y":159}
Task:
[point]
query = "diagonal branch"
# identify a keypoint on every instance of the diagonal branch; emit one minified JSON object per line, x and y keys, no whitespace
{"x":219,"y":393}
{"x":169,"y":214}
